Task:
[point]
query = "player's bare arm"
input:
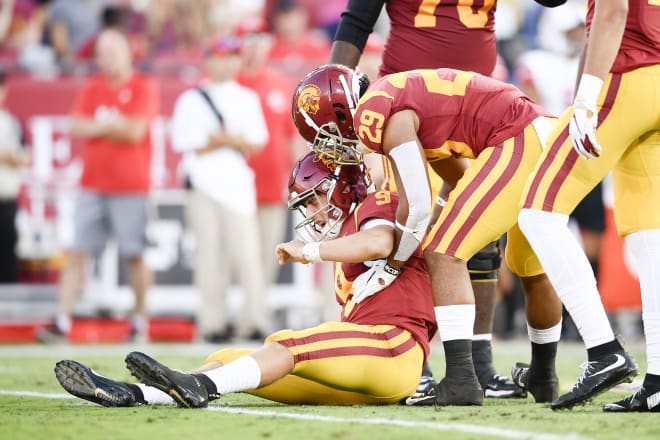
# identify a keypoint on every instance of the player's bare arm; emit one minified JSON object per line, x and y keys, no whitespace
{"x":357,"y":23}
{"x":370,"y":244}
{"x":605,"y":37}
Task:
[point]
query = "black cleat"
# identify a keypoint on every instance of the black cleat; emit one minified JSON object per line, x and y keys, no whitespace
{"x":641,"y":401}
{"x":503,"y":388}
{"x":598,"y":377}
{"x":449,"y":392}
{"x":424,"y":394}
{"x":543,"y":389}
{"x":459,"y":392}
{"x":83,"y":382}
{"x":184,"y":388}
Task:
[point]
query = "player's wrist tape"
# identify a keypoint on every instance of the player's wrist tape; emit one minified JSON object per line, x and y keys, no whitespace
{"x":312,"y":252}
{"x":440,"y":201}
{"x":589,"y":88}
{"x":394,"y":271}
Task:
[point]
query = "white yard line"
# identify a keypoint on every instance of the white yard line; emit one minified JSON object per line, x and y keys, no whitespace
{"x":472,"y":429}
{"x":37,"y":394}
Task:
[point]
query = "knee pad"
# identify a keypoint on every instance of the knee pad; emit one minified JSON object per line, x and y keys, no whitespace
{"x":484,"y":265}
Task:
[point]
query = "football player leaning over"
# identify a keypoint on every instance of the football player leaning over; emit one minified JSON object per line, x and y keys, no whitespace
{"x":442,"y":117}
{"x":372,"y":355}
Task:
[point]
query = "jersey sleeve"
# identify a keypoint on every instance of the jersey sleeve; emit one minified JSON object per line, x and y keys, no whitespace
{"x":358,"y":20}
{"x":380,"y":205}
{"x":370,"y":117}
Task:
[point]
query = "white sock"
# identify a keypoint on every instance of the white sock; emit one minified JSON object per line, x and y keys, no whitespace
{"x":140,"y":322}
{"x":154,"y":396}
{"x":455,"y":322}
{"x":645,"y":248}
{"x":239,"y":375}
{"x":483,"y":337}
{"x":569,"y":272}
{"x":544,"y":336}
{"x":63,"y":322}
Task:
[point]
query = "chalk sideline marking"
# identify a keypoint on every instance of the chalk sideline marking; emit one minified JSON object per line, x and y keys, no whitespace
{"x":490,"y":431}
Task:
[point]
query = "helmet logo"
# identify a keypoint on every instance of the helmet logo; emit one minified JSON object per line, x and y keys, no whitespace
{"x":309,"y":98}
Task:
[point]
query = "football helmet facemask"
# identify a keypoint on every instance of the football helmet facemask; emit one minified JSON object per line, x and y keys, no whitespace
{"x":323,"y":106}
{"x":344,"y":187}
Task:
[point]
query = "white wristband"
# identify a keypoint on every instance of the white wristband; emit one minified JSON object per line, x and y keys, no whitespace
{"x":440,"y":201}
{"x":589,"y":88}
{"x":312,"y":252}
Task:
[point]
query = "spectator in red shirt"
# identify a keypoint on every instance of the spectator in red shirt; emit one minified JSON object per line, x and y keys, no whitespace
{"x":112,"y":113}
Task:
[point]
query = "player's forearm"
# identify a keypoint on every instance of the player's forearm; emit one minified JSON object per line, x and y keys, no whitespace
{"x":413,"y":211}
{"x":345,"y":53}
{"x":605,"y":36}
{"x":362,"y":246}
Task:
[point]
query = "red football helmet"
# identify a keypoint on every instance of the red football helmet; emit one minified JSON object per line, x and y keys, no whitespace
{"x":344,"y":186}
{"x":322,"y":108}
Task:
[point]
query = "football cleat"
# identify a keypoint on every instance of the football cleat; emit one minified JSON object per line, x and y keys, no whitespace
{"x":502,"y":387}
{"x":598,"y":376}
{"x":83,"y":382}
{"x":425,"y":384}
{"x":543,"y":389}
{"x":184,"y":388}
{"x":459,"y":392}
{"x":449,"y":392}
{"x":641,"y":401}
{"x":424,"y":394}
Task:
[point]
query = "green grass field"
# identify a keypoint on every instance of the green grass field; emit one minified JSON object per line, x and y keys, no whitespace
{"x":34,"y":406}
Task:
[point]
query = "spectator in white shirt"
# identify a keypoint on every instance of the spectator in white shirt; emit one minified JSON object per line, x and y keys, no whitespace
{"x":221,"y":207}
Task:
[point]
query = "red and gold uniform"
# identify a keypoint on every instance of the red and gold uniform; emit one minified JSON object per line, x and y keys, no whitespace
{"x":428,"y":34}
{"x":464,"y":114}
{"x":628,"y":130}
{"x":375,"y":354}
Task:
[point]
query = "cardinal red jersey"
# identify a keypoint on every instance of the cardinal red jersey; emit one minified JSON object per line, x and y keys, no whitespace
{"x":428,"y":34}
{"x":460,"y":113}
{"x":640,"y":45}
{"x":111,"y":166}
{"x":407,"y":302}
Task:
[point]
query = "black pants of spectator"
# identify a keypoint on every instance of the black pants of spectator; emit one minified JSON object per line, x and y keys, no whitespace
{"x":8,"y":240}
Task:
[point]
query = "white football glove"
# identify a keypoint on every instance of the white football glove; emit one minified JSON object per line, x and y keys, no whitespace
{"x":378,"y":277}
{"x":584,"y":121}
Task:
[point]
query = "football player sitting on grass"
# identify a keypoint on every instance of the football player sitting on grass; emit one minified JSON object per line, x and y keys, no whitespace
{"x":372,"y":355}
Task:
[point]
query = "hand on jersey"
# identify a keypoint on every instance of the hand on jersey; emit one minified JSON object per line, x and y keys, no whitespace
{"x":584,"y":121}
{"x":378,"y":277}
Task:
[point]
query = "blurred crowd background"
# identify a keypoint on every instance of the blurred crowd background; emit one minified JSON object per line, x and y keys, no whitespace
{"x":47,"y":49}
